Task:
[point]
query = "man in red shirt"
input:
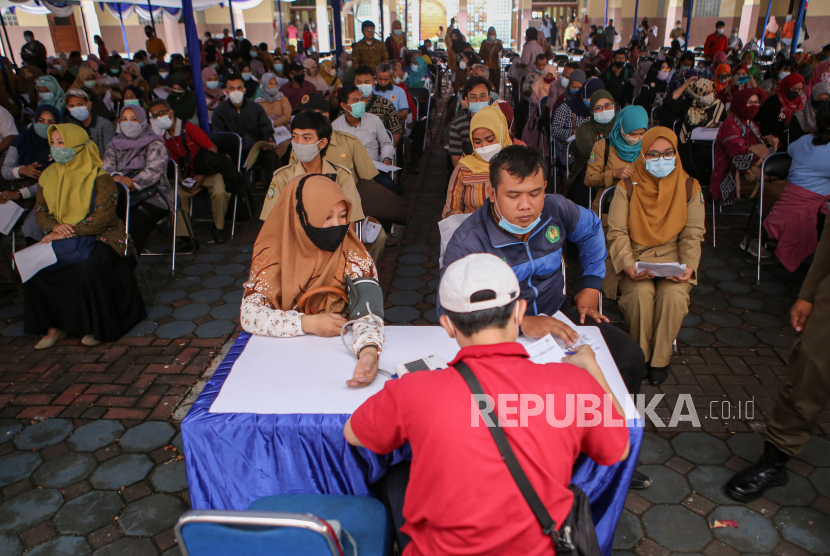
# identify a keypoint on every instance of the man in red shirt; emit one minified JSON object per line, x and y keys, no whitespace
{"x":227,"y":41}
{"x":184,"y":140}
{"x":461,"y":497}
{"x":716,"y":42}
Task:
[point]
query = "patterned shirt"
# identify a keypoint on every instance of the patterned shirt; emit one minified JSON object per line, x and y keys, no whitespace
{"x":385,"y":110}
{"x":467,"y":191}
{"x":564,"y":125}
{"x":460,"y":134}
{"x":371,"y":55}
{"x":100,"y":131}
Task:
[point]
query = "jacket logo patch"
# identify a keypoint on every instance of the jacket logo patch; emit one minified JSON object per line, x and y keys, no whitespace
{"x":393,"y":97}
{"x":304,"y":100}
{"x":270,"y":192}
{"x":702,"y":202}
{"x":552,"y":235}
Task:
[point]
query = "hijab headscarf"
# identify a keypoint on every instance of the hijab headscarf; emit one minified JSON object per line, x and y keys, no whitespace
{"x":815,"y":79}
{"x":807,"y":116}
{"x":719,"y":58}
{"x":588,"y":133}
{"x":86,"y":74}
{"x":416,"y":77}
{"x":577,"y":76}
{"x":30,"y":146}
{"x":212,"y":96}
{"x":698,"y":115}
{"x":132,"y":68}
{"x":753,"y":70}
{"x":345,"y":72}
{"x":264,"y":93}
{"x":399,"y":39}
{"x":540,"y":88}
{"x":639,"y":77}
{"x":286,"y":262}
{"x":790,"y":106}
{"x":578,"y":104}
{"x":722,"y":68}
{"x":67,"y":188}
{"x":657,"y":209}
{"x":772,"y":26}
{"x":135,"y":150}
{"x":326,"y":69}
{"x":607,"y":56}
{"x":492,"y":118}
{"x":54,"y":87}
{"x":630,"y":118}
{"x":634,"y":56}
{"x":183,"y":105}
{"x":739,"y":100}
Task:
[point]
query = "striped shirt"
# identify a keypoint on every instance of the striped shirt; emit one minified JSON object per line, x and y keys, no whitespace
{"x":467,"y":191}
{"x":460,"y":134}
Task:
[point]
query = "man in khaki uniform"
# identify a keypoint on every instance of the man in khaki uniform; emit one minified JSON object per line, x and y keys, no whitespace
{"x":310,"y":135}
{"x":806,"y":391}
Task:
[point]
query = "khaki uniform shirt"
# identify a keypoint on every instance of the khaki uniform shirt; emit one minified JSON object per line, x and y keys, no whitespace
{"x":345,"y":150}
{"x":369,"y":55}
{"x":598,"y":173}
{"x":338,"y":174}
{"x":684,"y":248}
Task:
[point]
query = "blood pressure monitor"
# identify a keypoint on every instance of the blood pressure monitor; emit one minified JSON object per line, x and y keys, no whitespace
{"x":428,"y":362}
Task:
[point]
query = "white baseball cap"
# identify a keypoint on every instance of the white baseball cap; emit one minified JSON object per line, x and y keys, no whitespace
{"x":479,"y":272}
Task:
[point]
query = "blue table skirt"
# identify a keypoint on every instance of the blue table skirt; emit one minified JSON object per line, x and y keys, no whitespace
{"x":235,"y":458}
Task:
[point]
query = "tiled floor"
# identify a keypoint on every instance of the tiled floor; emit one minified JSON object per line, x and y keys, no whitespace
{"x":90,"y":462}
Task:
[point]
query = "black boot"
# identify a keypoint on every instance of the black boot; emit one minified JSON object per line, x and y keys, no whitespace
{"x":658,"y":375}
{"x":218,"y":235}
{"x":640,"y":480}
{"x":770,"y":471}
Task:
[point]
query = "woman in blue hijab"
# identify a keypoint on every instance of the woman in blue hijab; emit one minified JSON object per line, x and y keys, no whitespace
{"x":609,"y":164}
{"x":50,"y":92}
{"x":417,"y":71}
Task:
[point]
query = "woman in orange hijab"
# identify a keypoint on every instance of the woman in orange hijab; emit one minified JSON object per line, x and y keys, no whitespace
{"x":656,"y":216}
{"x":306,"y":243}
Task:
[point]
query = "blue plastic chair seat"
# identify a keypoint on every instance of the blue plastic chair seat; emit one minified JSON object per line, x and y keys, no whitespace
{"x":364,"y":518}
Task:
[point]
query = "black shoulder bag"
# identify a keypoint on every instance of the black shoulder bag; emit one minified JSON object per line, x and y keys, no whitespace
{"x":577,"y":536}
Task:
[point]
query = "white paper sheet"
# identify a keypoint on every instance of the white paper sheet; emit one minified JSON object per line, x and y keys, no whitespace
{"x":544,"y":350}
{"x":161,"y":92}
{"x":661,"y":270}
{"x":385,"y":167}
{"x":31,"y":260}
{"x":9,"y":215}
{"x":370,"y":231}
{"x":447,"y":228}
{"x":308,"y":374}
{"x":281,"y":134}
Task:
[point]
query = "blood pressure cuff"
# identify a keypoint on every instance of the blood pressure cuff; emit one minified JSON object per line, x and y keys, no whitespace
{"x":361,"y":291}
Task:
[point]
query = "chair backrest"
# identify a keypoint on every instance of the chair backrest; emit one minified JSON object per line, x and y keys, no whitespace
{"x":606,"y":198}
{"x":421,"y":96}
{"x":228,"y":143}
{"x":777,"y":165}
{"x":173,"y":173}
{"x":433,"y":69}
{"x":232,"y":533}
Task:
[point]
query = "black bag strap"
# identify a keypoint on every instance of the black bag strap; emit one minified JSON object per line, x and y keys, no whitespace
{"x":509,"y":457}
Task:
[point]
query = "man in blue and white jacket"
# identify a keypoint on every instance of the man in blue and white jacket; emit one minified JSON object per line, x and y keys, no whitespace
{"x":528,"y":229}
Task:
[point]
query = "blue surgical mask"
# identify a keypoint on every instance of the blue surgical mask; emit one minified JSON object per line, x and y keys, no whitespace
{"x":42,"y":129}
{"x":132,"y":102}
{"x":513,"y":228}
{"x":115,"y":71}
{"x":365,"y":90}
{"x":214,"y":66}
{"x":587,"y":102}
{"x":140,"y":64}
{"x":246,"y":76}
{"x":80,"y":113}
{"x":277,"y":67}
{"x":476,"y":106}
{"x":46,"y":96}
{"x":254,"y":53}
{"x":661,"y":167}
{"x":358,"y":109}
{"x":212,"y":84}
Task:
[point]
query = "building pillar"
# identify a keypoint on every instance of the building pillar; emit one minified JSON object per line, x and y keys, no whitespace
{"x":615,"y":12}
{"x":92,"y":26}
{"x":173,"y":35}
{"x":323,"y":41}
{"x":387,"y":20}
{"x":749,"y":21}
{"x":415,"y":16}
{"x":673,"y":15}
{"x":239,"y":21}
{"x":462,"y":17}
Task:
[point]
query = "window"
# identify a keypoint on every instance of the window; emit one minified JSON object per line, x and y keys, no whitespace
{"x":10,"y":18}
{"x":707,"y":8}
{"x":157,"y":16}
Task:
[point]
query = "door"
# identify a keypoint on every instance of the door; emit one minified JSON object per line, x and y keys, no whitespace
{"x":64,"y":33}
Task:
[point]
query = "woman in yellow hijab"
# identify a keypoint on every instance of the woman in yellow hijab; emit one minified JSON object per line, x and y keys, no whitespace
{"x":489,"y":134}
{"x":656,"y":216}
{"x":91,"y":291}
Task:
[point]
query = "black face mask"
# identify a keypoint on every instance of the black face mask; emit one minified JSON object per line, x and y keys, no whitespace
{"x":792,"y":95}
{"x":816,"y":103}
{"x":327,"y":239}
{"x":619,"y":64}
{"x":299,"y":78}
{"x":384,"y":88}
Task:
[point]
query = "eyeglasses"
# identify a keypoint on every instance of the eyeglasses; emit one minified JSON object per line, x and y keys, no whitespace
{"x":754,"y":103}
{"x":603,"y":107}
{"x":657,"y":156}
{"x":159,"y":114}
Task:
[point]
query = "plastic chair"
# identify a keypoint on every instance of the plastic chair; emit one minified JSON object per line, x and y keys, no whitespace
{"x":279,"y":525}
{"x":776,"y":165}
{"x":173,"y":177}
{"x":125,"y":191}
{"x":421,"y":96}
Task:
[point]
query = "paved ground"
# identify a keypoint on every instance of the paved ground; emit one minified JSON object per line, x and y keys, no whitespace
{"x":90,"y":461}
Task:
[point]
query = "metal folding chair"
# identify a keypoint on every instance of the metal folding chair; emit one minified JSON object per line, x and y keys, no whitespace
{"x":422,"y":97}
{"x":776,"y":165}
{"x":126,"y":192}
